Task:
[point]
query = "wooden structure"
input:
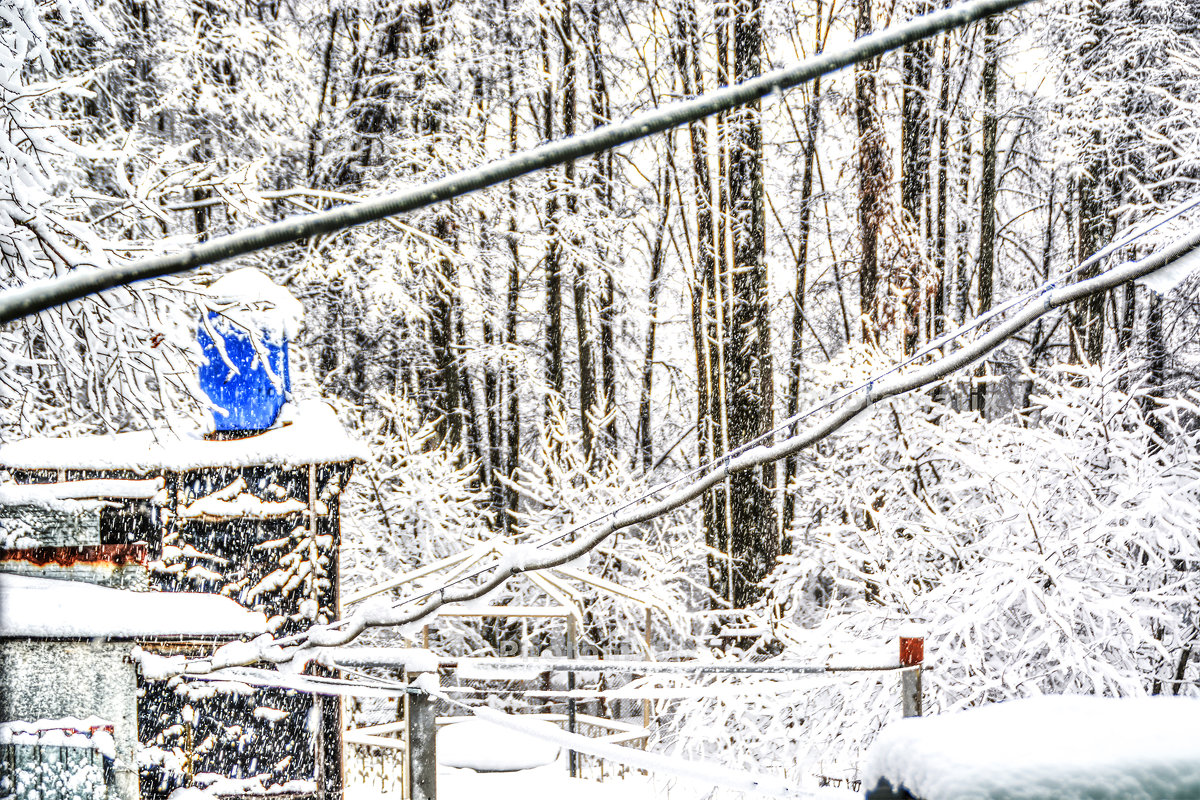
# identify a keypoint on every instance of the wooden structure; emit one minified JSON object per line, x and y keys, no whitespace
{"x":255,"y":519}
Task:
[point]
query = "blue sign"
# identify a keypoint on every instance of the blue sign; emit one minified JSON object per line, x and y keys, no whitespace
{"x":249,"y":381}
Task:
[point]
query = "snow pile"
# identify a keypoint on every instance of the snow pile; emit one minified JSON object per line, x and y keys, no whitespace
{"x":221,"y":786}
{"x":486,"y":747}
{"x":92,"y":732}
{"x":191,"y":793}
{"x":234,"y":502}
{"x":413,"y":659}
{"x":73,"y":496}
{"x":261,"y":303}
{"x":45,"y":608}
{"x":308,"y":433}
{"x":1058,"y":748}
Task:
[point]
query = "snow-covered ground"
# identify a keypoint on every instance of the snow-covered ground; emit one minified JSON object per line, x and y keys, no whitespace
{"x":551,"y":780}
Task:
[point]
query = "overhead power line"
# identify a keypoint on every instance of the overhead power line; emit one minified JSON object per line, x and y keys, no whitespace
{"x":42,"y":295}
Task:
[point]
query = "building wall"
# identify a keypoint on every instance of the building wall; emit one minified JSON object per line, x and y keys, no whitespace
{"x":46,"y":679}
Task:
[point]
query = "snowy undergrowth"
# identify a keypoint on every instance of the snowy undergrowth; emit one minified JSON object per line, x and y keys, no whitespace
{"x":1053,"y":552}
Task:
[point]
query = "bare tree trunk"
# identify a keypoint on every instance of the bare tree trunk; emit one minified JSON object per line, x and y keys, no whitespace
{"x":754,"y":543}
{"x":811,"y":118}
{"x":553,"y":262}
{"x":510,"y":507}
{"x":987,"y":192}
{"x":914,"y":171}
{"x":705,"y":307}
{"x":871,"y":180}
{"x":943,"y":187}
{"x":657,"y":256}
{"x":602,"y":169}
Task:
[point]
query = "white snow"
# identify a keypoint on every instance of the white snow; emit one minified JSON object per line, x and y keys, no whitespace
{"x":308,"y":433}
{"x":413,"y":659}
{"x":234,"y":502}
{"x":191,"y":793}
{"x":260,"y":301}
{"x":1164,"y":280}
{"x":219,"y":785}
{"x":92,"y":732}
{"x":485,"y":747}
{"x":1057,"y":748}
{"x":43,"y":608}
{"x":73,"y":496}
{"x":543,"y":782}
{"x":704,"y":772}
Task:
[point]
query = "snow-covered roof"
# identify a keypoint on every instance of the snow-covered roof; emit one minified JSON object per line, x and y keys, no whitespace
{"x":93,"y":733}
{"x":74,"y":496}
{"x":308,"y":433}
{"x":42,"y":608}
{"x":1046,"y":748}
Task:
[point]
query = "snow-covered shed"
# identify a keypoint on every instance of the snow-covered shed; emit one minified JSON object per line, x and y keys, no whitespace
{"x":65,"y":653}
{"x":252,"y":517}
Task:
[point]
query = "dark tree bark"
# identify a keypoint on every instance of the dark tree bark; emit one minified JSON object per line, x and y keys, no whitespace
{"x":645,"y":438}
{"x":943,"y":190}
{"x":811,"y":116}
{"x":513,"y":430}
{"x":553,"y":262}
{"x":705,"y":305}
{"x":602,"y":172}
{"x":579,"y":286}
{"x":914,"y":170}
{"x":986,"y":266}
{"x":754,"y":538}
{"x":872,"y":179}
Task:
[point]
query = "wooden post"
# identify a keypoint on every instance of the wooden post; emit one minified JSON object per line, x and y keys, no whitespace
{"x":421,"y":724}
{"x":912,"y":656}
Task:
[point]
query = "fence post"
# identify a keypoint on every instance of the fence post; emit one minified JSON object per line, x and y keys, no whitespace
{"x":912,"y":655}
{"x":572,"y":653}
{"x":421,"y":722}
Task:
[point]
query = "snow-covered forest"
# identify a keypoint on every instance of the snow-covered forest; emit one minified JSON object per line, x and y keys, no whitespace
{"x":531,"y":356}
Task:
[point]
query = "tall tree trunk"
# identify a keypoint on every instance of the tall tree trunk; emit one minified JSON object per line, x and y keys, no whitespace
{"x":871,"y":179}
{"x":943,"y":188}
{"x":962,"y":301}
{"x":513,"y":430}
{"x":914,"y":172}
{"x":811,"y":117}
{"x":1156,"y":353}
{"x":658,"y":249}
{"x":704,"y":305}
{"x":602,"y":171}
{"x":986,"y":266}
{"x":553,"y":262}
{"x":579,"y":287}
{"x":754,"y":542}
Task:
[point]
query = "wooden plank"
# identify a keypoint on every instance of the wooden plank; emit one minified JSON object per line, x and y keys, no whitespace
{"x":367,"y":740}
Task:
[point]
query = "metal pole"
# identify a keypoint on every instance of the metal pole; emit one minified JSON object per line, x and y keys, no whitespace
{"x":41,"y":295}
{"x":912,"y":655}
{"x":572,"y":756}
{"x":650,"y":653}
{"x":422,"y":744}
